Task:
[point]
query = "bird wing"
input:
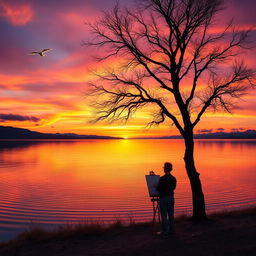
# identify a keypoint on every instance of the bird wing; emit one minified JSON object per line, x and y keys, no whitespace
{"x":33,"y":53}
{"x":46,"y":50}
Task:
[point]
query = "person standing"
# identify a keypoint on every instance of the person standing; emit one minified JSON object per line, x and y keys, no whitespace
{"x":166,"y":187}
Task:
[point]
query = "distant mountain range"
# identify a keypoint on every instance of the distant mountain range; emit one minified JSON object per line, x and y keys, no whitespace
{"x":249,"y":134}
{"x":8,"y":132}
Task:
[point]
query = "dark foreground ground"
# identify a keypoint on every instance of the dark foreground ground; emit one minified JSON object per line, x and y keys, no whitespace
{"x":226,"y":234}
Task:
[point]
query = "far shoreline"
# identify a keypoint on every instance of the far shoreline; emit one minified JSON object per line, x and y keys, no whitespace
{"x":14,"y":133}
{"x":146,"y":138}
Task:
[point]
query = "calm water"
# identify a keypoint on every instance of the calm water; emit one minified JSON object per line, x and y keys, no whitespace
{"x":56,"y":182}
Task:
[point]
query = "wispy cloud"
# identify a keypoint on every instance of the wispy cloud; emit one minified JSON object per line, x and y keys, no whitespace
{"x":237,"y":129}
{"x":14,"y":117}
{"x":204,"y":130}
{"x":220,"y":129}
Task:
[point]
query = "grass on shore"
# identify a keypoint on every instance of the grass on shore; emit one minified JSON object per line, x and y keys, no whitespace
{"x":83,"y":229}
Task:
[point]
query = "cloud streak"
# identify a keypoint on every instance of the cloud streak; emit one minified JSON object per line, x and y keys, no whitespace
{"x":204,"y":131}
{"x":14,"y":117}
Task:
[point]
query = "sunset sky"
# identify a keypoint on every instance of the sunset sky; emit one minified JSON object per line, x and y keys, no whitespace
{"x":46,"y":94}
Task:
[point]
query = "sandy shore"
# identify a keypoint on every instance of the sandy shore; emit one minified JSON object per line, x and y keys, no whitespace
{"x":226,"y":234}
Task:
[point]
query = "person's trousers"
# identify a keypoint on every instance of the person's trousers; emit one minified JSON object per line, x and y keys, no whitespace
{"x":166,"y":205}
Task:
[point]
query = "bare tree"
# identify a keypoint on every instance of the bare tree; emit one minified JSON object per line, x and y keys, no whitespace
{"x":174,"y":60}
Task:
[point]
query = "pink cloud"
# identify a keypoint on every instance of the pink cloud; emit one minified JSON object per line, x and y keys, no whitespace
{"x":17,"y":15}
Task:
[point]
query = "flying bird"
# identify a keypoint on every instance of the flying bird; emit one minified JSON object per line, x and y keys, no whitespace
{"x":41,"y":53}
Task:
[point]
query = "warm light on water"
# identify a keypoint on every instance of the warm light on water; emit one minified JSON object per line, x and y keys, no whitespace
{"x":55,"y":182}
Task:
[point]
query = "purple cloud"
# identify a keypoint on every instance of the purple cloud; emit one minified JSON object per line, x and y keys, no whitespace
{"x":237,"y":129}
{"x":220,"y":129}
{"x":12,"y":117}
{"x":204,"y":130}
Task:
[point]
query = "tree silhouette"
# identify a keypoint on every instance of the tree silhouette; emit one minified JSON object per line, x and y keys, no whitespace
{"x":171,"y":58}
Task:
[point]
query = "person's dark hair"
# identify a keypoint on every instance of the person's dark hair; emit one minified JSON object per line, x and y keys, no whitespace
{"x":168,"y":167}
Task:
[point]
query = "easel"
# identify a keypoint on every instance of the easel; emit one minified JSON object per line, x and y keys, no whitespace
{"x":152,"y":181}
{"x":155,"y":202}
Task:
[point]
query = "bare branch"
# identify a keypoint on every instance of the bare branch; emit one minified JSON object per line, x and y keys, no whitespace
{"x":125,"y":97}
{"x":220,"y":91}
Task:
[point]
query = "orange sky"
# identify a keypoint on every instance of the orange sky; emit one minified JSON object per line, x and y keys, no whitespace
{"x":46,"y":94}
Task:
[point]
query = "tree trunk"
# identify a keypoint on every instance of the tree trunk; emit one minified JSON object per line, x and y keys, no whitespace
{"x":197,"y":192}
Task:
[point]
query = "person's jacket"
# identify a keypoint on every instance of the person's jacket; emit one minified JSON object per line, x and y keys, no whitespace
{"x":166,"y":185}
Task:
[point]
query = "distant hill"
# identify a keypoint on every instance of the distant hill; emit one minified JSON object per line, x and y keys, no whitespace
{"x":8,"y":132}
{"x":249,"y":134}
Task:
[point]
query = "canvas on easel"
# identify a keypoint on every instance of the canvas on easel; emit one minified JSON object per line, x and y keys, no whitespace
{"x":152,"y":180}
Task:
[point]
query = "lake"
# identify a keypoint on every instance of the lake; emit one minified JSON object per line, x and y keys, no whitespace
{"x":59,"y":182}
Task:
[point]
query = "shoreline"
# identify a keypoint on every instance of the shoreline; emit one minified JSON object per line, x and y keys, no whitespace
{"x":227,"y":233}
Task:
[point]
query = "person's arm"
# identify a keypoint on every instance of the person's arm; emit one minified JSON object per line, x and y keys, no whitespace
{"x":174,"y":183}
